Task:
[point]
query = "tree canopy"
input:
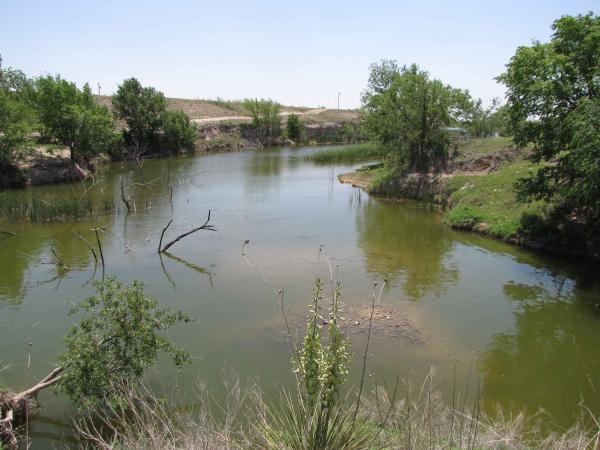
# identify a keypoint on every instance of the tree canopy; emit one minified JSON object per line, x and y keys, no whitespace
{"x":149,"y":125}
{"x":407,"y":111}
{"x":553,"y":92}
{"x":17,"y":115}
{"x":73,"y":117}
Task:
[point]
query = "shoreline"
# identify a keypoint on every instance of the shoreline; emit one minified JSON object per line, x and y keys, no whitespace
{"x":438,"y":189}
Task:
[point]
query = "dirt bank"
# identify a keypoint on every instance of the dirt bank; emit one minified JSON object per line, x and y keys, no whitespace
{"x":43,"y":166}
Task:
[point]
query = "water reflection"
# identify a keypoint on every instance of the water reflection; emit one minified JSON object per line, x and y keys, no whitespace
{"x":550,"y":360}
{"x":16,"y":253}
{"x":402,"y":241}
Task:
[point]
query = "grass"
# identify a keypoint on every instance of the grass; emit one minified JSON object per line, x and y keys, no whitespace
{"x":473,"y":148}
{"x":489,"y":203}
{"x":348,"y":154}
{"x":35,"y":207}
{"x":406,"y":417}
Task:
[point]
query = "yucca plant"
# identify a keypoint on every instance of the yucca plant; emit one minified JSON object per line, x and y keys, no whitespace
{"x":315,"y":417}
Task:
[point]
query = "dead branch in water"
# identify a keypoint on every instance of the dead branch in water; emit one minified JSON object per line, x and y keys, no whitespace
{"x":204,"y":226}
{"x":89,"y":245}
{"x":163,"y":234}
{"x":99,"y":246}
{"x":59,"y":262}
{"x":14,"y":408}
{"x":123,"y":195}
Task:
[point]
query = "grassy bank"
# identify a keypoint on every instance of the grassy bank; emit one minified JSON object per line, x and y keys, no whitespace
{"x":348,"y":154}
{"x":488,"y":203}
{"x":479,"y":193}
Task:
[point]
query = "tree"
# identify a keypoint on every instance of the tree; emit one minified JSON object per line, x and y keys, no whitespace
{"x":150,"y":127}
{"x":118,"y":338}
{"x":73,"y":118}
{"x":553,"y":92}
{"x":481,"y":121}
{"x":17,"y":116}
{"x":15,"y":129}
{"x":177,"y":131}
{"x":407,"y":111}
{"x":295,"y":129}
{"x":141,"y":108}
{"x":265,"y":119}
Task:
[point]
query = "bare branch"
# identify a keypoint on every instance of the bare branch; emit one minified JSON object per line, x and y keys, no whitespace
{"x":88,"y":244}
{"x":205,"y":226}
{"x":163,"y":234}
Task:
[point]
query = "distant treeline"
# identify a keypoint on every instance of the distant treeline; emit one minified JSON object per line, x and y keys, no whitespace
{"x":50,"y":109}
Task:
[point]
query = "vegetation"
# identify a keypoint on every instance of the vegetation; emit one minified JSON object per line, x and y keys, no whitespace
{"x":72,"y":116}
{"x":554,"y":104}
{"x":36,"y":207}
{"x":317,"y":416}
{"x":295,"y":129}
{"x":150,"y":127}
{"x":118,"y":338}
{"x":348,"y":154}
{"x":408,"y":112}
{"x":472,"y":148}
{"x":484,"y":122}
{"x":489,"y":203}
{"x":17,"y":116}
{"x":178,"y":131}
{"x":265,"y":119}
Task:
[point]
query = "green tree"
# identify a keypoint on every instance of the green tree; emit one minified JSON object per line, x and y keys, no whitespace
{"x":17,"y":116}
{"x":408,"y":112}
{"x":118,"y":338}
{"x":295,"y":129}
{"x":72,"y":116}
{"x":553,"y":92}
{"x":142,"y":109}
{"x":265,"y":119}
{"x":15,"y":129}
{"x":177,"y":131}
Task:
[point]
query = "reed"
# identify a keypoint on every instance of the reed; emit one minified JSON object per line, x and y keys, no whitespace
{"x":35,"y":207}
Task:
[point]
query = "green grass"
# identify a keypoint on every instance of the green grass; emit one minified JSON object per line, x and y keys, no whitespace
{"x":482,"y":146}
{"x":42,"y":208}
{"x":489,"y":203}
{"x":348,"y":154}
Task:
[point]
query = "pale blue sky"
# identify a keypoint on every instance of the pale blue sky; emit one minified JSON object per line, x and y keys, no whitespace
{"x":299,"y":53}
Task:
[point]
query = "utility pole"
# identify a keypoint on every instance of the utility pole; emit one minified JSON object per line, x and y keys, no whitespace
{"x":338,"y":100}
{"x":98,"y":88}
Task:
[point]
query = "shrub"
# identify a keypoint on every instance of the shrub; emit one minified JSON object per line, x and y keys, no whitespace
{"x":177,"y":131}
{"x":116,"y":340}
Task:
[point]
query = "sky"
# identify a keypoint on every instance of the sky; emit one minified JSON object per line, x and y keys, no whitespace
{"x":298,"y":53}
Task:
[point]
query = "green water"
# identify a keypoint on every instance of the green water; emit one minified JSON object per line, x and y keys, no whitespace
{"x":526,"y":322}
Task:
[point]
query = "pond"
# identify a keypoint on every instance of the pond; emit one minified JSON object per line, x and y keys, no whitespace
{"x":521,"y":326}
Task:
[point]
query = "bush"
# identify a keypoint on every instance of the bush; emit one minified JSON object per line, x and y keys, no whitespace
{"x":265,"y":119}
{"x":116,"y":340}
{"x":295,"y":129}
{"x":178,"y":131}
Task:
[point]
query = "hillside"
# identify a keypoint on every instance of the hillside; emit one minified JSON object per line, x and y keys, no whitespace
{"x":213,"y":111}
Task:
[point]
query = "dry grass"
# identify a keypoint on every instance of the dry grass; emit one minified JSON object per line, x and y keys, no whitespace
{"x":406,"y":417}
